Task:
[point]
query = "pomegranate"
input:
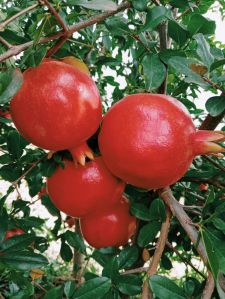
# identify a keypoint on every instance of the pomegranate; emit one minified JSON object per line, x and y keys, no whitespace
{"x":80,"y":190}
{"x":58,"y":107}
{"x":77,"y":63}
{"x":149,"y":140}
{"x":111,"y":227}
{"x":13,"y":232}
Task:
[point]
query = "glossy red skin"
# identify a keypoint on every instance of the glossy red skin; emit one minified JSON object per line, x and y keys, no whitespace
{"x":13,"y":232}
{"x":80,"y":190}
{"x":147,"y":140}
{"x":58,"y":107}
{"x":111,"y":227}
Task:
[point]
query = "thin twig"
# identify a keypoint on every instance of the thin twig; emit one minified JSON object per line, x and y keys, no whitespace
{"x":39,"y":286}
{"x":146,"y":292}
{"x":20,"y":13}
{"x":186,"y":261}
{"x":214,"y":85}
{"x":162,"y":30}
{"x":137,"y":270}
{"x":15,"y":183}
{"x":184,"y":13}
{"x":78,"y":258}
{"x":209,"y":287}
{"x":209,"y":181}
{"x":178,"y":211}
{"x":5,"y":43}
{"x":74,"y":28}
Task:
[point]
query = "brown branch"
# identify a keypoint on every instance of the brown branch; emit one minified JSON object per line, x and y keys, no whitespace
{"x":146,"y":292}
{"x":209,"y":287}
{"x":137,"y":270}
{"x":5,"y":43}
{"x":184,"y":260}
{"x":78,"y":258}
{"x":20,"y":13}
{"x":71,"y":29}
{"x":214,"y":85}
{"x":178,"y":211}
{"x":163,"y":39}
{"x":209,"y":181}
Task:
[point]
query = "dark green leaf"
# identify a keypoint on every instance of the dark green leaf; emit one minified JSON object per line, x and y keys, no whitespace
{"x":127,"y":257}
{"x":93,"y":288}
{"x":148,"y":232}
{"x":69,"y":288}
{"x":157,"y":210}
{"x":111,"y":269}
{"x":15,"y":144}
{"x":117,"y":26}
{"x":16,"y":243}
{"x":46,"y":201}
{"x":129,"y":284}
{"x":55,"y":293}
{"x":154,"y":71}
{"x":203,"y":50}
{"x":75,"y":241}
{"x":179,"y":3}
{"x":177,"y":33}
{"x":66,"y":252}
{"x":140,"y":211}
{"x":199,"y":24}
{"x":10,"y":172}
{"x":23,"y":260}
{"x":164,"y":288}
{"x":217,"y":64}
{"x":10,"y":83}
{"x":215,"y":105}
{"x":154,"y":17}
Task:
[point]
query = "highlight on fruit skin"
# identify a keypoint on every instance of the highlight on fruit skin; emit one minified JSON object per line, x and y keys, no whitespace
{"x":78,"y":191}
{"x":77,"y":63}
{"x":58,"y":107}
{"x":110,"y":227}
{"x":149,"y":140}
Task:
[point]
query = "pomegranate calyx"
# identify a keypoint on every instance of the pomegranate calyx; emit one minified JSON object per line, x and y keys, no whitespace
{"x":205,"y":142}
{"x":80,"y":153}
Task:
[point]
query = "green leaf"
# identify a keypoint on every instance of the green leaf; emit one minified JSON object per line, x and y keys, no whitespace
{"x":181,"y":65}
{"x":140,"y":5}
{"x":164,"y":288}
{"x":217,"y":64}
{"x":157,"y":210}
{"x":95,"y":4}
{"x":219,"y":224}
{"x":177,"y":33}
{"x":140,"y":211}
{"x":66,"y":252}
{"x":46,"y":201}
{"x":16,"y":243}
{"x":199,"y":24}
{"x":154,"y":71}
{"x":23,"y":260}
{"x":203,"y":50}
{"x":154,"y":17}
{"x":111,"y":269}
{"x":167,"y":54}
{"x":127,"y":257}
{"x":179,"y":3}
{"x":55,"y":293}
{"x":148,"y":232}
{"x":93,"y":288}
{"x":117,"y":26}
{"x":75,"y":241}
{"x":10,"y":172}
{"x":10,"y":82}
{"x":129,"y":284}
{"x":69,"y":288}
{"x":215,"y":105}
{"x":48,"y":167}
{"x":15,"y":144}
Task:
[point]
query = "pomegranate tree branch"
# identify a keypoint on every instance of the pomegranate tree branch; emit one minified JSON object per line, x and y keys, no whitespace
{"x":146,"y":292}
{"x":20,"y":13}
{"x":215,"y":163}
{"x":178,"y":211}
{"x":71,"y":29}
{"x":209,"y":181}
{"x":5,"y":43}
{"x":186,"y":261}
{"x":78,"y":258}
{"x":137,"y":270}
{"x":56,"y":15}
{"x":209,"y":287}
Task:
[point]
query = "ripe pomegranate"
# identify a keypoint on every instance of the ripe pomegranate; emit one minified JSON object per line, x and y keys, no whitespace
{"x":80,"y":190}
{"x":13,"y":232}
{"x":149,"y":140}
{"x":58,"y":107}
{"x":110,"y":227}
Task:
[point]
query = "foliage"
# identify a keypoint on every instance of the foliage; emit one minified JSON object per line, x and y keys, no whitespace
{"x":125,"y":47}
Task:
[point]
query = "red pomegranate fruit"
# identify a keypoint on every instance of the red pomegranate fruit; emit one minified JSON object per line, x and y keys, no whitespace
{"x":80,"y":190}
{"x":149,"y":140}
{"x":13,"y":232}
{"x":57,"y":107}
{"x":111,"y":227}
